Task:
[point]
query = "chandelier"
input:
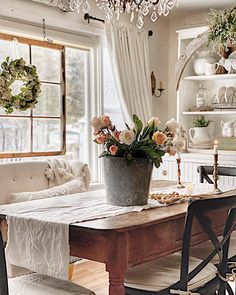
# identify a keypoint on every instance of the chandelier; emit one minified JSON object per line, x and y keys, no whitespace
{"x":137,"y":9}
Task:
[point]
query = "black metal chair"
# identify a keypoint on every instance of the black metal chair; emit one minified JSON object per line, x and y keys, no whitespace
{"x":205,"y":171}
{"x":35,"y":284}
{"x":195,"y":276}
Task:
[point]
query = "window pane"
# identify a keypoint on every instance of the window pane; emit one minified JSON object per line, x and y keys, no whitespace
{"x":47,"y":135}
{"x":76,"y":81}
{"x":14,"y":135}
{"x":14,"y":50}
{"x":49,"y":101}
{"x":111,"y":101}
{"x":48,"y":63}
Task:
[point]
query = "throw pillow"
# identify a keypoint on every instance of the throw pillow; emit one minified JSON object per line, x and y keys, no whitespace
{"x":71,"y":187}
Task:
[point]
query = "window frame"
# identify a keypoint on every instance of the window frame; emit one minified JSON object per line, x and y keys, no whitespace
{"x":62,"y":117}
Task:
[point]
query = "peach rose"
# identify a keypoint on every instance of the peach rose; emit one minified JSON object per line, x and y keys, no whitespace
{"x":127,"y":137}
{"x":101,"y":138}
{"x":106,"y":122}
{"x":154,"y":121}
{"x":159,"y":137}
{"x":113,"y":149}
{"x":96,"y":123}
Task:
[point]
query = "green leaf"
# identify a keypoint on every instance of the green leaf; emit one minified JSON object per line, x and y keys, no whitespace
{"x":138,"y":124}
{"x":104,"y":154}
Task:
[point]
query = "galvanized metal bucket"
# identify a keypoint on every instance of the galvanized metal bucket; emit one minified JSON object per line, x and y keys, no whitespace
{"x":127,"y":184}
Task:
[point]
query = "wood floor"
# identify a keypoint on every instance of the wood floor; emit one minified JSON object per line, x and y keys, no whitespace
{"x":93,"y":276}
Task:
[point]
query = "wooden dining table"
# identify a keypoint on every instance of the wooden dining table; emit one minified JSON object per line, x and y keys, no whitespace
{"x":134,"y":238}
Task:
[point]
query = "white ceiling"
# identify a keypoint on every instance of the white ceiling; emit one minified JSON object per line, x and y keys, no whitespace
{"x":201,"y":5}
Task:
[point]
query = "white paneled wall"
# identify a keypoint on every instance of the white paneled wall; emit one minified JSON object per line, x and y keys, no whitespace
{"x":189,"y":164}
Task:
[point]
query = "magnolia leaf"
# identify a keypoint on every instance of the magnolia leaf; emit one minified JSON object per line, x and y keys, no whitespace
{"x":138,"y":125}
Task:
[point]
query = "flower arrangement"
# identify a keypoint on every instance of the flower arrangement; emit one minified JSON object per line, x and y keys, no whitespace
{"x":136,"y":142}
{"x":12,"y":70}
{"x":201,"y":122}
{"x":222,"y":25}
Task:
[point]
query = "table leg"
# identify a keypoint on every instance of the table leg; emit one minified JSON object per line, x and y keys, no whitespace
{"x":116,"y":284}
{"x":117,"y":263}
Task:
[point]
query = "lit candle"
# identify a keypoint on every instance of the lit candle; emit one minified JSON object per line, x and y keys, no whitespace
{"x":216,"y":147}
{"x":161,"y":85}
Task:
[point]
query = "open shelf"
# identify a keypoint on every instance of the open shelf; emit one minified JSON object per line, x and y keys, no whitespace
{"x":210,"y":78}
{"x":210,"y":113}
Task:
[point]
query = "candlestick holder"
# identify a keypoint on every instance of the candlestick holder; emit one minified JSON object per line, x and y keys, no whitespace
{"x":215,"y":175}
{"x":179,"y":184}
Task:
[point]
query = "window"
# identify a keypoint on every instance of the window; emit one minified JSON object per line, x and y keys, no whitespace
{"x":77,"y":81}
{"x":40,"y":131}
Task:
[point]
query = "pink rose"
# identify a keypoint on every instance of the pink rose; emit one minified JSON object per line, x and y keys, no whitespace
{"x":116,"y":135}
{"x":113,"y":149}
{"x":106,"y":122}
{"x":96,"y":123}
{"x":159,"y":137}
{"x":101,"y":138}
{"x":172,"y":151}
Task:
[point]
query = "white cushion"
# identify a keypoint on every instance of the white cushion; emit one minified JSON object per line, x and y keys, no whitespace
{"x":71,"y":187}
{"x":36,"y":284}
{"x":203,"y":250}
{"x":160,"y":274}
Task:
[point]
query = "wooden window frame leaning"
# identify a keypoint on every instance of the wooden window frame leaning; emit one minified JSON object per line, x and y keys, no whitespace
{"x":62,"y":116}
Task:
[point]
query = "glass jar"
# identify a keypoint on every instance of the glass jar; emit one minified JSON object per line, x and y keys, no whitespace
{"x":201,"y":96}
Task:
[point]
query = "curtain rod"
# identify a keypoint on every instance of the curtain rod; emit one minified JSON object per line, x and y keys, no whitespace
{"x":89,"y":17}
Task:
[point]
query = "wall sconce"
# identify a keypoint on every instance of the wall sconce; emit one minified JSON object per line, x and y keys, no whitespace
{"x":154,"y":86}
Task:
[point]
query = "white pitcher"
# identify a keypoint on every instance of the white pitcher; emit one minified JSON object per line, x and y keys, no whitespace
{"x":199,"y":135}
{"x":228,"y":128}
{"x":210,"y":69}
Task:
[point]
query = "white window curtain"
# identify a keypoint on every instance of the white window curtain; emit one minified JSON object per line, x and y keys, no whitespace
{"x":129,"y":53}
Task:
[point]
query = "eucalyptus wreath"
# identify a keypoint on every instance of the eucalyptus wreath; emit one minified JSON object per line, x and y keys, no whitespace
{"x":11,"y":71}
{"x":222,"y":25}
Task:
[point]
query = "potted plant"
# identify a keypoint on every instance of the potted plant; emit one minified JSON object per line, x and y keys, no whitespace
{"x":222,"y":26}
{"x":199,"y":133}
{"x":129,"y":156}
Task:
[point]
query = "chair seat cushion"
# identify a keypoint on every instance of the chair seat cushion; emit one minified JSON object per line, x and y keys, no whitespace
{"x":203,"y":250}
{"x":162,"y":273}
{"x":36,"y":284}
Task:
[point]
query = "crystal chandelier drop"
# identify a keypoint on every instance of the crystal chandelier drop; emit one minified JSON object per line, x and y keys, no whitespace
{"x":137,"y":9}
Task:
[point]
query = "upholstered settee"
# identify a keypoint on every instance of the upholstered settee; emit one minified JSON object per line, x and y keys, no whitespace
{"x":30,"y":176}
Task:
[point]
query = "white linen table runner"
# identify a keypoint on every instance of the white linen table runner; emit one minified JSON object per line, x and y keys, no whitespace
{"x":38,"y":231}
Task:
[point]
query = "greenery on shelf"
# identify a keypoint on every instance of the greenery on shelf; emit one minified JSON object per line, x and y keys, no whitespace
{"x":201,"y":122}
{"x":222,"y":25}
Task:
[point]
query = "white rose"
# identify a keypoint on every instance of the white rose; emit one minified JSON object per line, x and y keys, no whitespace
{"x":127,"y":137}
{"x":154,"y":120}
{"x":173,"y":125}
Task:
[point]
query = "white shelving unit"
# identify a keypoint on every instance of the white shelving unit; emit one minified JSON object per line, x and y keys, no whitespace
{"x":211,"y":78}
{"x":186,"y":99}
{"x":190,"y":82}
{"x":210,"y":113}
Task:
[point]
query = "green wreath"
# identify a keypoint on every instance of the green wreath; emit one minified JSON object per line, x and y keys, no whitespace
{"x":12,"y":70}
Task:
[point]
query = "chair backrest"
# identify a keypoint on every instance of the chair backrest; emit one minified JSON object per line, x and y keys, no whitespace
{"x":200,"y":209}
{"x":204,"y":171}
{"x":3,"y":269}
